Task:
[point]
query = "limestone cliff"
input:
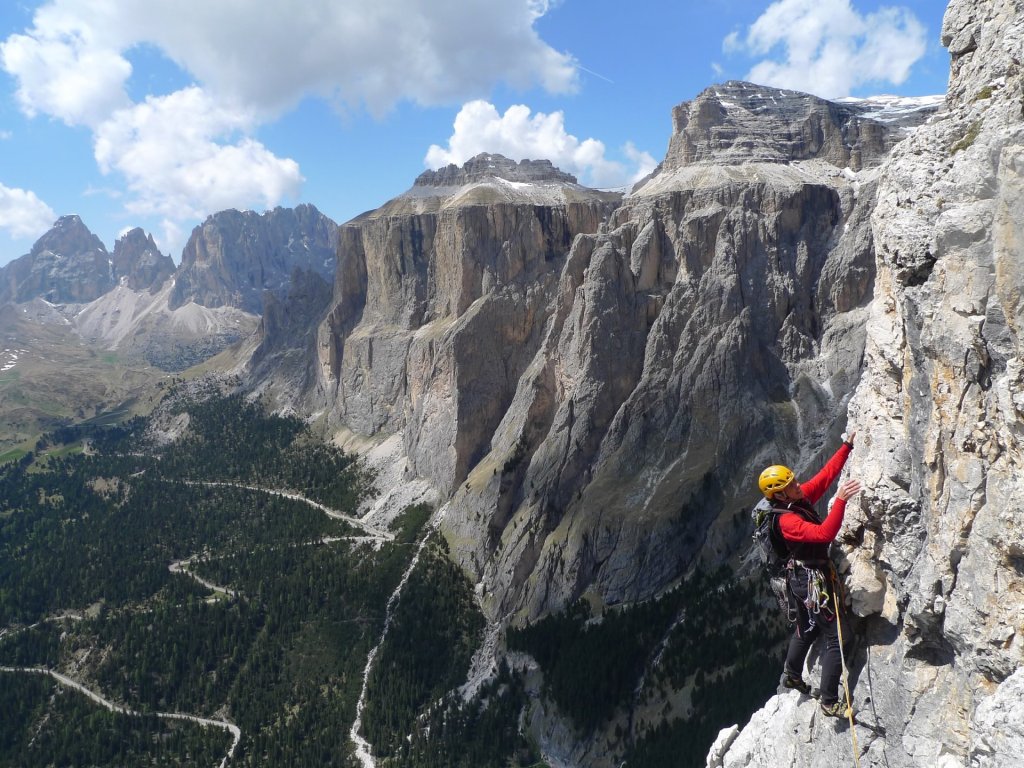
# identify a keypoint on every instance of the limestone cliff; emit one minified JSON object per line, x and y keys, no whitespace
{"x":936,"y":543}
{"x":715,"y":320}
{"x":557,"y":360}
{"x":440,"y":303}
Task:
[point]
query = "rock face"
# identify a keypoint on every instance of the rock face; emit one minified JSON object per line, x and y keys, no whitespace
{"x":740,"y":122}
{"x":68,"y":264}
{"x":285,"y":359}
{"x":936,"y":544}
{"x":233,"y":257}
{"x":486,"y":166}
{"x":138,"y":264}
{"x":714,"y":322}
{"x":557,"y":360}
{"x":440,"y":302}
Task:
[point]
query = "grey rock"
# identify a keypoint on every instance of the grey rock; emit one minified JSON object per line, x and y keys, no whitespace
{"x":138,"y":263}
{"x":739,"y":122}
{"x":939,"y":430}
{"x":486,"y":166}
{"x":284,"y":360}
{"x":68,"y":264}
{"x":234,"y":256}
{"x":440,"y":301}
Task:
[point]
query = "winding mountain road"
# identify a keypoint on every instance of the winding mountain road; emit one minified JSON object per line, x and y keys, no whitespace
{"x":377,"y":533}
{"x":234,"y":730}
{"x":373,"y":534}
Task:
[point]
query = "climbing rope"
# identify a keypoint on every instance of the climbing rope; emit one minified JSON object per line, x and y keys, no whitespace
{"x":846,"y":680}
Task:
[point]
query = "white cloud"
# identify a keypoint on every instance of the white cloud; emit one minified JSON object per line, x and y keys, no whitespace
{"x":61,"y":73}
{"x":371,"y":53}
{"x":184,"y":155}
{"x":22,"y":214}
{"x":828,"y":48}
{"x":520,"y":135}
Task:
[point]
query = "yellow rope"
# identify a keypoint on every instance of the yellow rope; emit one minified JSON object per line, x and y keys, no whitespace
{"x":846,"y":683}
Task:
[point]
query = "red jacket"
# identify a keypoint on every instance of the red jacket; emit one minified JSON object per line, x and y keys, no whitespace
{"x":796,"y":528}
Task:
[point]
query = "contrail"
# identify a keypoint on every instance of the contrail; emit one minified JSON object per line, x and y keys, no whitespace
{"x":592,"y":72}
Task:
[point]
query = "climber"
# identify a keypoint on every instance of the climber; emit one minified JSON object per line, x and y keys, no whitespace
{"x":811,"y":576}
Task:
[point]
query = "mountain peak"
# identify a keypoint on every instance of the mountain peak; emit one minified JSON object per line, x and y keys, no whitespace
{"x":68,"y":264}
{"x":487,"y":166}
{"x":138,"y":263}
{"x":738,"y":122}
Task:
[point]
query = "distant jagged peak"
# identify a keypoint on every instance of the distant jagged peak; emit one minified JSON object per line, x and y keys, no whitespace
{"x":234,"y":256}
{"x":68,"y":264}
{"x":138,"y":263}
{"x":68,"y":237}
{"x":486,"y":166}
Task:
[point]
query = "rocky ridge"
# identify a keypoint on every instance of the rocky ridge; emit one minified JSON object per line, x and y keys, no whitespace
{"x":935,"y":545}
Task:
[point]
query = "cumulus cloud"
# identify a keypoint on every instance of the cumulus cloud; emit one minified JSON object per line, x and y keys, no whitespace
{"x":520,"y":135}
{"x":22,"y":214}
{"x":178,"y":160}
{"x":370,"y":53}
{"x":61,"y":72}
{"x":186,"y":153}
{"x":828,"y":48}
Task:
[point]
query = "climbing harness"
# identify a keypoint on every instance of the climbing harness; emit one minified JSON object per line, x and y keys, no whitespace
{"x":846,"y":681}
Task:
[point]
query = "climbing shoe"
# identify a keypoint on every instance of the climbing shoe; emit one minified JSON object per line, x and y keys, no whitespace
{"x":796,"y":683}
{"x":835,"y":709}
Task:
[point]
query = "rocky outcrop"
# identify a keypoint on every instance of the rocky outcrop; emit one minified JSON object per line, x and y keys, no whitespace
{"x":68,"y":264}
{"x":935,"y":545}
{"x":487,"y":166}
{"x":138,"y":263}
{"x":233,"y":257}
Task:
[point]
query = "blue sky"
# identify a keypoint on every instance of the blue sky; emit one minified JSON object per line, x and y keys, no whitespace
{"x":157,"y":113}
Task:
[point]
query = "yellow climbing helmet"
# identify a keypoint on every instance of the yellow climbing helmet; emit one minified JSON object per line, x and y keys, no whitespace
{"x":775,"y":478}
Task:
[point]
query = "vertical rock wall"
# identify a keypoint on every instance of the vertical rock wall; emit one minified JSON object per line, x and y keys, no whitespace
{"x":440,"y":303}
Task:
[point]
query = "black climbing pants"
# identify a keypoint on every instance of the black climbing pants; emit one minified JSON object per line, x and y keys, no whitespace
{"x":811,"y":626}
